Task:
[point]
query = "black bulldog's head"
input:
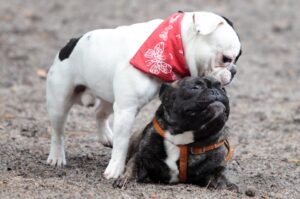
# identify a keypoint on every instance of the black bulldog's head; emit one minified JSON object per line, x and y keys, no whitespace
{"x":194,"y":104}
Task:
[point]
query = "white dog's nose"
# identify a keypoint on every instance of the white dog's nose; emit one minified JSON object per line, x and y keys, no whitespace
{"x":232,"y":70}
{"x":224,"y":76}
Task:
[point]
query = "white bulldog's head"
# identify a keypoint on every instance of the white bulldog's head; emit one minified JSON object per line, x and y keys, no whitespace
{"x":211,"y":45}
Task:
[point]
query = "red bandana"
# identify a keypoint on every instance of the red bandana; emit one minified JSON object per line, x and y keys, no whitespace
{"x":162,"y":53}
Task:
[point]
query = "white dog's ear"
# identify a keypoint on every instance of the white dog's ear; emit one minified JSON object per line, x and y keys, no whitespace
{"x":206,"y":23}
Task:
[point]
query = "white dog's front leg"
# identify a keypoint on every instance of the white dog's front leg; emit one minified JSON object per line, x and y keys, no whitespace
{"x":123,"y":122}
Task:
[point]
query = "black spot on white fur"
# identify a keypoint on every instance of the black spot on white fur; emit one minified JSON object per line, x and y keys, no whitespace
{"x":231,"y":24}
{"x":65,"y":52}
{"x":228,"y":21}
{"x":238,"y":56}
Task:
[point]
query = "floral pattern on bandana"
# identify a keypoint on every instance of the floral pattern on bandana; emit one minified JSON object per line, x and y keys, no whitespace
{"x":156,"y":60}
{"x":162,"y":54}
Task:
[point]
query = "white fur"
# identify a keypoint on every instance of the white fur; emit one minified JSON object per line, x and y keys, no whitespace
{"x":183,"y":138}
{"x":88,"y":99}
{"x":173,"y":153}
{"x":204,"y":26}
{"x":100,"y":62}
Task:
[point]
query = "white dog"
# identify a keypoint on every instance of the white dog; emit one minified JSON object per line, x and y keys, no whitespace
{"x":97,"y":66}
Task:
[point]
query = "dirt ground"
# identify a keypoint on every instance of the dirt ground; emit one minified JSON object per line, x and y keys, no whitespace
{"x":265,"y":99}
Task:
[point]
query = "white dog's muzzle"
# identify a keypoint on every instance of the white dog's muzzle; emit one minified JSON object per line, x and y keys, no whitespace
{"x":225,"y":75}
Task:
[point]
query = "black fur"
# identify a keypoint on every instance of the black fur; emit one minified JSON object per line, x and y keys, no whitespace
{"x":238,"y":56}
{"x":197,"y":104}
{"x":185,"y":106}
{"x":79,"y":89}
{"x":231,"y":24}
{"x":65,"y":52}
{"x":156,"y":171}
{"x":228,"y":21}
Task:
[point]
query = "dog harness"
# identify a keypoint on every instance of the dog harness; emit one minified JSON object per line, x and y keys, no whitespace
{"x":185,"y":150}
{"x":162,"y":54}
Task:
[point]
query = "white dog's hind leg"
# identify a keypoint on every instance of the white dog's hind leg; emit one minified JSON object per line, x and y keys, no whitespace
{"x":123,"y":122}
{"x":103,"y":111}
{"x":59,"y":102}
{"x":57,"y":150}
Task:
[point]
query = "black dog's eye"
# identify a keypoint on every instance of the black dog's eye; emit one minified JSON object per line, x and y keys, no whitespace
{"x":198,"y":85}
{"x":226,"y":59}
{"x":195,"y":87}
{"x":190,"y":113}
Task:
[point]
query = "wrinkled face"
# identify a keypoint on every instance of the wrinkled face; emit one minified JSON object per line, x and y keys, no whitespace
{"x":192,"y":103}
{"x":218,"y":51}
{"x":222,"y":65}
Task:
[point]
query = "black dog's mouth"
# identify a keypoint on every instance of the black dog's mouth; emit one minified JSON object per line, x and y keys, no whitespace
{"x":207,"y":103}
{"x":211,"y":108}
{"x":217,"y":108}
{"x":205,"y":117}
{"x":213,"y":119}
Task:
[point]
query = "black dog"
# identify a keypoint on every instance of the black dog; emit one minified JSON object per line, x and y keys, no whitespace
{"x":192,"y":116}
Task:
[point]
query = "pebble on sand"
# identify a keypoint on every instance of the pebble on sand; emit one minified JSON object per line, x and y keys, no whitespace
{"x":250,"y":191}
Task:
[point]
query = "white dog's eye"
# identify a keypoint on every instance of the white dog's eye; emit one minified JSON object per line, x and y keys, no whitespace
{"x":227,"y":59}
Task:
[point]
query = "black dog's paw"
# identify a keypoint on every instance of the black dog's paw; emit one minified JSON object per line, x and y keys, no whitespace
{"x":121,"y":182}
{"x":232,"y":187}
{"x":129,"y":175}
{"x":221,"y":182}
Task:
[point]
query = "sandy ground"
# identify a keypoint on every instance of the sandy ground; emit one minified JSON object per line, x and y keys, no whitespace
{"x":265,"y":99}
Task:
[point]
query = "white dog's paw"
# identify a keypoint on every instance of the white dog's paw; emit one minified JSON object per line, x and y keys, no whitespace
{"x":57,"y":158}
{"x":114,"y":170}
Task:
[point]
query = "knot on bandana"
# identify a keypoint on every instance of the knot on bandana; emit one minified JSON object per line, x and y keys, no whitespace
{"x":162,"y":54}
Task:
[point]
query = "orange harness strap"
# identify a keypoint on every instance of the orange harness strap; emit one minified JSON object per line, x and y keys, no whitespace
{"x":230,"y":150}
{"x":184,"y":151}
{"x":183,"y":161}
{"x":159,"y":130}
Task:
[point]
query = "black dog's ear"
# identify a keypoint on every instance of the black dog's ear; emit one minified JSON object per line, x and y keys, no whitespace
{"x":164,"y":87}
